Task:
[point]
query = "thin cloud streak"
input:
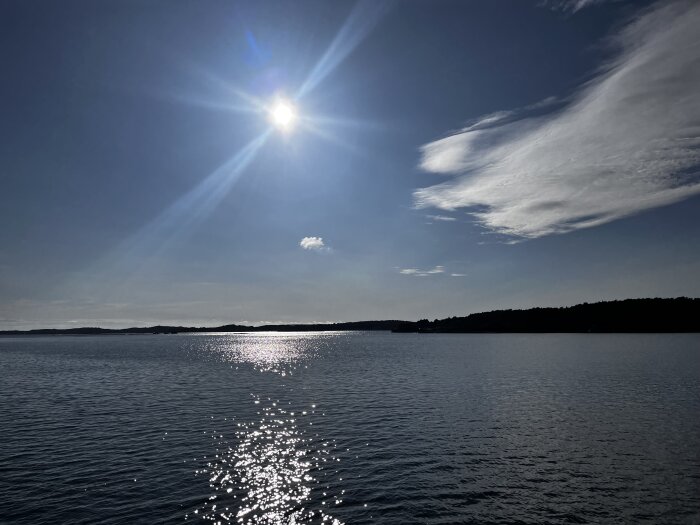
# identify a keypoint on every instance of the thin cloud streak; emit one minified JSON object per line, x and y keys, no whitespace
{"x":627,"y":142}
{"x":443,"y":218}
{"x":571,"y":6}
{"x":415,"y":272}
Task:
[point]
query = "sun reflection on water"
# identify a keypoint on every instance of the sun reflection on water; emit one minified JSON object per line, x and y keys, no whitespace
{"x":267,"y":475}
{"x":281,"y":353}
{"x":274,"y":469}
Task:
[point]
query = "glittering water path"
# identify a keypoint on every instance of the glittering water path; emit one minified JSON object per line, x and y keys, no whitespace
{"x":266,"y":475}
{"x":350,"y":428}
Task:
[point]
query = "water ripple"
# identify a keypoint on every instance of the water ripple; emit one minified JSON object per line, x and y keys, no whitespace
{"x":357,"y":428}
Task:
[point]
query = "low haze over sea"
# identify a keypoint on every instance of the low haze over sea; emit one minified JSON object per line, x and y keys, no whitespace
{"x":357,"y":428}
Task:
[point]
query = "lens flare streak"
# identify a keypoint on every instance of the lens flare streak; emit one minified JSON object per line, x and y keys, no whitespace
{"x":365,"y":15}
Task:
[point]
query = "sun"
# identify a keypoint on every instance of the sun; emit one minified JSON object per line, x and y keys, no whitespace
{"x":283,"y":115}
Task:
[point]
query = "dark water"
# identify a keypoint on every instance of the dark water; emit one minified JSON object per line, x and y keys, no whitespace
{"x":350,"y":428}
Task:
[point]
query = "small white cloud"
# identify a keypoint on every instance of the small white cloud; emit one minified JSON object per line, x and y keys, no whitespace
{"x":458,"y":275}
{"x":314,"y":243}
{"x":628,"y":141}
{"x":441,"y":218}
{"x":416,"y":272}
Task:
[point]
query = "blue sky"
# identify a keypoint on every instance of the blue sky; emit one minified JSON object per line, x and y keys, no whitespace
{"x":449,"y":157}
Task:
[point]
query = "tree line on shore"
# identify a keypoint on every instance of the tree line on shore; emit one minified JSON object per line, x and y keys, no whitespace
{"x":681,"y":314}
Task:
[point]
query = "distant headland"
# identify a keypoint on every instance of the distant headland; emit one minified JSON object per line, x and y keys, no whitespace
{"x":627,"y":316}
{"x":681,"y":314}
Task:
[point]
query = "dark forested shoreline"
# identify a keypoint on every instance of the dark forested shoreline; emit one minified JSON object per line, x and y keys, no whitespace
{"x":630,"y":315}
{"x":681,"y":314}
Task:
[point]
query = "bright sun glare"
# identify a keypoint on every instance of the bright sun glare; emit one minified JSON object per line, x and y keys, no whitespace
{"x":283,"y":115}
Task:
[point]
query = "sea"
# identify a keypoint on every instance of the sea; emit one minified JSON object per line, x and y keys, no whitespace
{"x":350,"y":428}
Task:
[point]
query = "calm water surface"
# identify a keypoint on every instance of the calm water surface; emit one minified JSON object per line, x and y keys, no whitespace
{"x":350,"y":428}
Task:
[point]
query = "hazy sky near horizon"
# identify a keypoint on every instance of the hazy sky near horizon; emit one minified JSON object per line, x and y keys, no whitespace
{"x":449,"y":157}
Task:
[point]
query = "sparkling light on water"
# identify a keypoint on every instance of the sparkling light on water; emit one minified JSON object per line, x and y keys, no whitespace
{"x":281,"y":353}
{"x":267,"y":475}
{"x":265,"y":471}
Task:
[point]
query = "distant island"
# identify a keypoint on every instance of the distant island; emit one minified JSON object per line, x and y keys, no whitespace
{"x":159,"y":329}
{"x":681,"y":314}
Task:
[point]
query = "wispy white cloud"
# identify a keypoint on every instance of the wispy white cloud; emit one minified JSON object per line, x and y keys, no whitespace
{"x":314,"y":243}
{"x":443,"y":218}
{"x":416,"y":272}
{"x":570,"y":6}
{"x":458,"y":275}
{"x":628,"y":141}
